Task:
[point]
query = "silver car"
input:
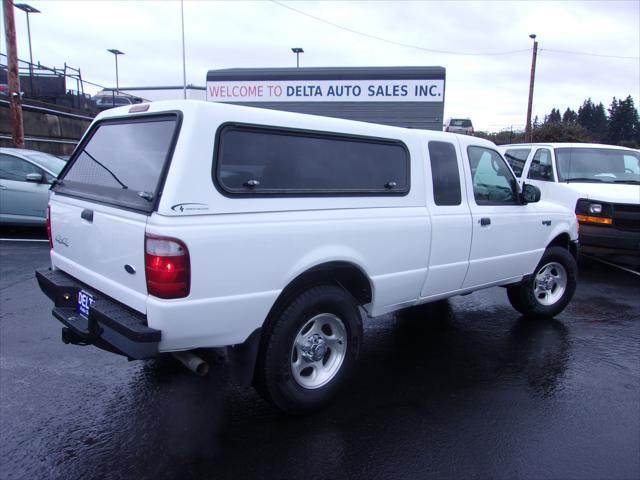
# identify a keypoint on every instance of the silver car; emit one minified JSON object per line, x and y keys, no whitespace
{"x":25,"y":178}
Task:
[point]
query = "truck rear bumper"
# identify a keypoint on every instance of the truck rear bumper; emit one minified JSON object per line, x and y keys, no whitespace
{"x":110,"y":325}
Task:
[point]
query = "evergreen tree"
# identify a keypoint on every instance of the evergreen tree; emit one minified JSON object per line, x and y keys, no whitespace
{"x":623,"y":122}
{"x":600,"y":123}
{"x":553,"y":117}
{"x":586,"y":113}
{"x":594,"y":119}
{"x":569,"y":117}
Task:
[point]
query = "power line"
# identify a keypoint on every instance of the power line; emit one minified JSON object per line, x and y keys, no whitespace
{"x":431,"y":50}
{"x":392,"y":42}
{"x":567,"y":52}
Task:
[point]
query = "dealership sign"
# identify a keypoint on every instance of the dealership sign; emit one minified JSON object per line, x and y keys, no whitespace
{"x":326,"y":91}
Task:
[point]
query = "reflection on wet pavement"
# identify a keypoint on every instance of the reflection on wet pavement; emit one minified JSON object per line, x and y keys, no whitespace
{"x":464,"y":388}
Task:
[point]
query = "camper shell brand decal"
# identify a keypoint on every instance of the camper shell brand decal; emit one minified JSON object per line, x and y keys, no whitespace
{"x":190,"y":207}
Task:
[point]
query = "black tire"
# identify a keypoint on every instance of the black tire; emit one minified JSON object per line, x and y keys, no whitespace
{"x":278,"y":378}
{"x":532,"y":299}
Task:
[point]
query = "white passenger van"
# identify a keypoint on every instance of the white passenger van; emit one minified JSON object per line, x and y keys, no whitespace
{"x":601,"y":183}
{"x":185,"y":225}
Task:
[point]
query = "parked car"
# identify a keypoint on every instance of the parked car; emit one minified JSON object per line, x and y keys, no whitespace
{"x":25,"y":178}
{"x":601,"y":183}
{"x":107,"y":100}
{"x":184,"y":225}
{"x":459,"y":125}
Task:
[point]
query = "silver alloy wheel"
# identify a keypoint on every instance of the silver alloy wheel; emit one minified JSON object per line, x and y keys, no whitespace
{"x":550,"y":283}
{"x":318,"y":351}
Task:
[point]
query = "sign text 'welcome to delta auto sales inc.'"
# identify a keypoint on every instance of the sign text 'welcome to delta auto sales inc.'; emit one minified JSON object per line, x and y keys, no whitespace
{"x":327,"y":91}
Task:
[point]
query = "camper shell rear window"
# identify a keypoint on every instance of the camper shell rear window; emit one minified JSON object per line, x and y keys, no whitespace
{"x":122,"y":162}
{"x":258,"y":160}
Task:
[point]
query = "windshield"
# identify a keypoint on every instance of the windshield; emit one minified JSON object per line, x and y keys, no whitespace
{"x":598,"y":165}
{"x":460,"y":122}
{"x":109,"y":100}
{"x":51,"y":163}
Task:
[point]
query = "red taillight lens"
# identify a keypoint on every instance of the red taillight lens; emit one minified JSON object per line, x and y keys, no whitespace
{"x":167,"y":267}
{"x":49,"y":236}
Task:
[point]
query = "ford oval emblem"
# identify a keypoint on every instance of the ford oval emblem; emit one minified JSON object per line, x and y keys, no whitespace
{"x":129,"y":269}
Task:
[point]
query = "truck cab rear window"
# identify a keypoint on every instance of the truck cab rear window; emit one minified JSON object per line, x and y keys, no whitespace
{"x":121,"y":163}
{"x":257,"y":160}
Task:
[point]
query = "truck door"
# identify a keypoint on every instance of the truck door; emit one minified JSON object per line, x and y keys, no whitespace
{"x":507,"y":236}
{"x":450,"y":217}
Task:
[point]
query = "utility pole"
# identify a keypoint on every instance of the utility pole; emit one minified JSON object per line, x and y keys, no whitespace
{"x":528,"y":135}
{"x":13,"y":78}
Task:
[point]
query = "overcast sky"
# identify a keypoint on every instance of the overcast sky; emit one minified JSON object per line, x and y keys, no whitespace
{"x":490,"y":89}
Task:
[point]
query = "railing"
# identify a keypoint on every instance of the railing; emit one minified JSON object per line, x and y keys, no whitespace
{"x":50,"y":84}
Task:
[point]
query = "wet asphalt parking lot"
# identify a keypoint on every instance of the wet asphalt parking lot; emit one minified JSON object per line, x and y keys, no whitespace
{"x":460,"y":389}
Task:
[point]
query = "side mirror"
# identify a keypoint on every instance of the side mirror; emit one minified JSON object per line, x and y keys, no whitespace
{"x":34,"y":177}
{"x":530,"y":193}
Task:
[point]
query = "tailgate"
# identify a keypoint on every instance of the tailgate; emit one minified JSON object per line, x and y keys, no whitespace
{"x":100,"y":205}
{"x":101,"y":246}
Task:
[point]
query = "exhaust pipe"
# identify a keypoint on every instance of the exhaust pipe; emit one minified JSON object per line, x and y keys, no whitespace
{"x":192,"y":362}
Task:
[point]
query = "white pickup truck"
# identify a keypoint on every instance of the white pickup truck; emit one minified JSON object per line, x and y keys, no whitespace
{"x":189,"y":225}
{"x":601,"y":183}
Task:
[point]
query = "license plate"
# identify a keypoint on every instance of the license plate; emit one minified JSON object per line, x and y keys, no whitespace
{"x":85,"y":300}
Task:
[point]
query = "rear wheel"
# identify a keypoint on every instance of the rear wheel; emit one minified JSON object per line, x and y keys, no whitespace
{"x":548,"y":291}
{"x":309,"y":350}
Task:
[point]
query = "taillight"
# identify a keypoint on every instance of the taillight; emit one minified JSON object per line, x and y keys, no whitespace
{"x":167,"y":267}
{"x":49,"y":236}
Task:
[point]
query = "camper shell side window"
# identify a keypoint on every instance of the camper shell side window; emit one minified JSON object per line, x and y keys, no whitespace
{"x":252,"y":160}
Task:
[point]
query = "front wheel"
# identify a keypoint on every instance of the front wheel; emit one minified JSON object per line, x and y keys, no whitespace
{"x":309,"y":350}
{"x":548,"y":291}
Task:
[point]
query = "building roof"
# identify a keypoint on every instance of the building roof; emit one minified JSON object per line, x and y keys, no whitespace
{"x":328,"y":73}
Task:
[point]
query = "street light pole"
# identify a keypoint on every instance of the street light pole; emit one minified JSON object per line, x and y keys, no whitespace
{"x":116,"y":52}
{"x":29,"y":9}
{"x":528,"y":136}
{"x":297,"y":51}
{"x":184,"y":60}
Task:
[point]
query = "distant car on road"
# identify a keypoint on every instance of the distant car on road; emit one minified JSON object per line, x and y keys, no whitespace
{"x":25,"y":178}
{"x":108,"y":100}
{"x":459,"y":125}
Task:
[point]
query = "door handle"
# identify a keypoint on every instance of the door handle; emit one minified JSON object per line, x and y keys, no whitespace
{"x":484,"y":222}
{"x":2,"y":187}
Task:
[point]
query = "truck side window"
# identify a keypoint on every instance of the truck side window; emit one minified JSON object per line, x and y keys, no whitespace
{"x":541,"y":168}
{"x":493,"y":182}
{"x":254,"y":160}
{"x":444,"y":173}
{"x":517,"y":157}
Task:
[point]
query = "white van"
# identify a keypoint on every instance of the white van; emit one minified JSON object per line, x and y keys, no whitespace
{"x":601,"y":183}
{"x":185,"y":225}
